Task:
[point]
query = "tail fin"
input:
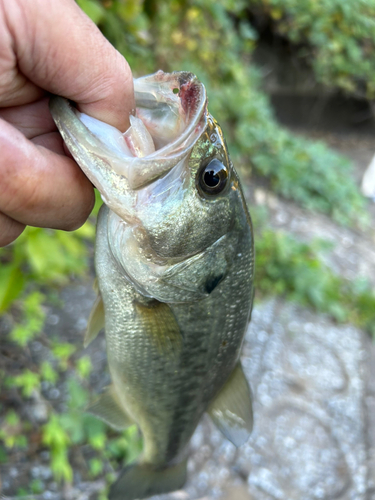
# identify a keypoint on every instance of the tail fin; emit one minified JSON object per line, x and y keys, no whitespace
{"x":140,"y":481}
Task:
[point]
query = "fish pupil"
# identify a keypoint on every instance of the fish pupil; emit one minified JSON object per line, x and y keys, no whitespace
{"x":211,"y":178}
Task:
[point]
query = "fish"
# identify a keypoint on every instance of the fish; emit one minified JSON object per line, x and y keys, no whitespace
{"x":174,"y":260}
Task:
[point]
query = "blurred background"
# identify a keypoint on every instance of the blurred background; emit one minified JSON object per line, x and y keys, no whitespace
{"x":292,"y":84}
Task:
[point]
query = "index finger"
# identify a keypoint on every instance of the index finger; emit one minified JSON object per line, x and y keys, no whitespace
{"x":61,"y":50}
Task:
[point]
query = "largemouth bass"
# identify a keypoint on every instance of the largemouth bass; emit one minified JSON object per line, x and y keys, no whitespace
{"x":174,"y":261}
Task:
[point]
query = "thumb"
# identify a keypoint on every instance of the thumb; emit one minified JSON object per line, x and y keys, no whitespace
{"x":62,"y":51}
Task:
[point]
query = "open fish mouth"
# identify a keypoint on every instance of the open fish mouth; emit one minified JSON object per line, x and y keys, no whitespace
{"x":170,"y":117}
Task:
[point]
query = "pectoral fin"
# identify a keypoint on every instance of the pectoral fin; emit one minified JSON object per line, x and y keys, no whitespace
{"x":108,"y":408}
{"x":160,"y":325}
{"x":95,"y":322}
{"x":232,"y":411}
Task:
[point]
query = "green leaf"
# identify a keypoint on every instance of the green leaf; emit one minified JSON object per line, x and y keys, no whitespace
{"x":84,"y":366}
{"x":63,"y":351}
{"x":27,"y":381}
{"x":32,"y":321}
{"x":48,"y":373}
{"x":12,"y":283}
{"x":93,"y":9}
{"x":96,"y":466}
{"x":78,"y":395}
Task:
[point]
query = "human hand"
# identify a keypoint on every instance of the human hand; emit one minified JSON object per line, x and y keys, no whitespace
{"x":51,"y":47}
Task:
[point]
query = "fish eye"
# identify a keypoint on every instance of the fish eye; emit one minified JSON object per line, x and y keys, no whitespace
{"x":213,"y":178}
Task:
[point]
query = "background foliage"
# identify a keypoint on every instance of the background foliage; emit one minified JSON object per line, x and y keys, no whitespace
{"x":337,"y":39}
{"x":215,"y":40}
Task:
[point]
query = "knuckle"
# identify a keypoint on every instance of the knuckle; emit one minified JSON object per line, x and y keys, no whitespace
{"x":18,"y":187}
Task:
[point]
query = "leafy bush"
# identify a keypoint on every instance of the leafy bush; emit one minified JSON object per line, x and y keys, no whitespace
{"x":76,"y":427}
{"x":294,"y":269}
{"x":307,"y":172}
{"x":336,"y":37}
{"x":63,"y":432}
{"x":43,"y":256}
{"x":32,"y":321}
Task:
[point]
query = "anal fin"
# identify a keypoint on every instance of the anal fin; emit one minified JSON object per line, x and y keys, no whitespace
{"x":231,"y":410}
{"x":95,"y":322}
{"x":108,"y":408}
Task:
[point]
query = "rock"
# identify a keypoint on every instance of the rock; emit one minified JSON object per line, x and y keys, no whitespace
{"x":37,"y":410}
